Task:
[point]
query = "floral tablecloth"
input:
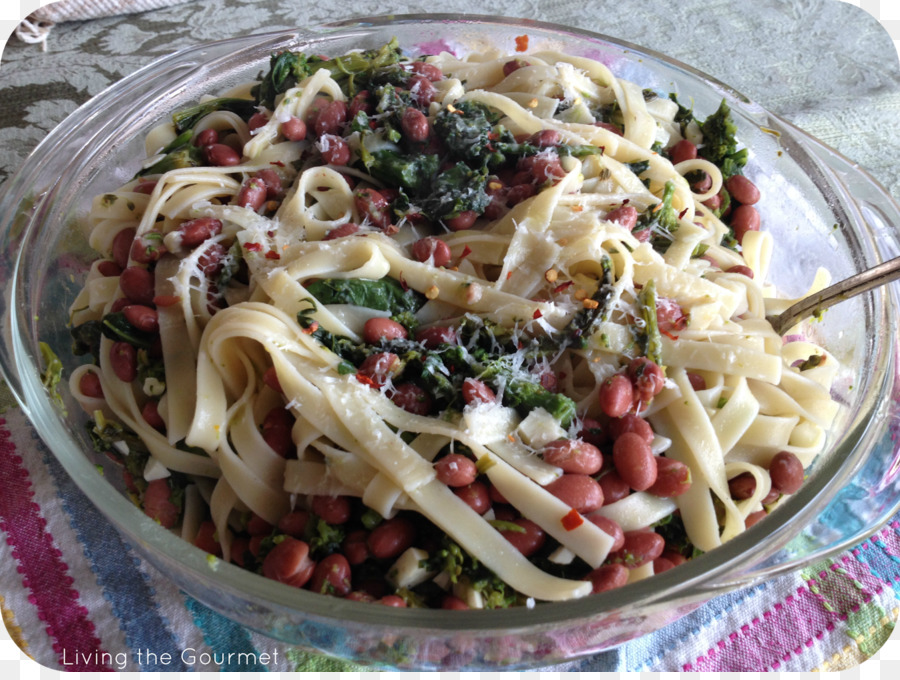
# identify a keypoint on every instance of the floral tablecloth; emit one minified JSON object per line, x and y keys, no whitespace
{"x":75,"y":596}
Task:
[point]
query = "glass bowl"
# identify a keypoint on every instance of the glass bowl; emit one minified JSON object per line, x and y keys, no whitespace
{"x":823,"y":209}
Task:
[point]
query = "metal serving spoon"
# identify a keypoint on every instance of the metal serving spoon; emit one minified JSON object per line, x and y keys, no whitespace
{"x":838,"y":292}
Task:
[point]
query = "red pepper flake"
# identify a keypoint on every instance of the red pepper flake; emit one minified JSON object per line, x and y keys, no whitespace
{"x":253,"y":247}
{"x":403,"y":283}
{"x":682,"y":213}
{"x":508,"y":275}
{"x":573,"y":520}
{"x":561,"y":287}
{"x":278,"y":163}
{"x":366,"y":380}
{"x":166,"y":300}
{"x":521,"y":43}
{"x":466,"y":252}
{"x":537,"y":314}
{"x":273,"y":255}
{"x":668,"y":335}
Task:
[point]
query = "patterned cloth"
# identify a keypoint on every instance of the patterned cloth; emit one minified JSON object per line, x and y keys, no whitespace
{"x":75,"y":596}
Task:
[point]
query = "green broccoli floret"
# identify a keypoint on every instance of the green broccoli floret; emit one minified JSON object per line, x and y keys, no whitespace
{"x":720,"y":142}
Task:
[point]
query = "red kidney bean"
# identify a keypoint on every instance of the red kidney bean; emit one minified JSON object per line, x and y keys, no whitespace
{"x":698,"y":382}
{"x":741,"y":269}
{"x":412,"y":398}
{"x":331,"y":576}
{"x":607,"y":577}
{"x":547,"y":168}
{"x":421,"y":90}
{"x":453,"y":602}
{"x":360,"y":596}
{"x":673,"y":556}
{"x":519,"y":193}
{"x":432,"y":248}
{"x":742,"y":487}
{"x":253,"y":194}
{"x":206,"y":539}
{"x":331,"y":118}
{"x":573,"y":455}
{"x":592,"y":432}
{"x":335,"y":150}
{"x":630,"y":423}
{"x":90,"y":386}
{"x":257,"y":526}
{"x":240,"y":546}
{"x":206,"y":137}
{"x":616,"y":395}
{"x":527,"y":542}
{"x":270,"y":378}
{"x":625,"y":216}
{"x":771,"y":497}
{"x":272,"y":180}
{"x":611,"y":528}
{"x":392,"y":601}
{"x":513,"y":65}
{"x":634,"y":461}
{"x":148,"y":247}
{"x":346,"y":229}
{"x":544,"y":139}
{"x":579,"y":492}
{"x":744,"y":218}
{"x":294,"y":523}
{"x":415,"y":125}
{"x":430,"y":71}
{"x":289,"y":562}
{"x":276,"y":431}
{"x":433,"y":336}
{"x":158,"y":503}
{"x":609,"y":126}
{"x":754,"y":517}
{"x":786,"y":472}
{"x":661,"y":564}
{"x":714,"y":202}
{"x":641,"y":546}
{"x":391,"y":537}
{"x":333,"y":509}
{"x":456,"y":470}
{"x":196,"y":231}
{"x":119,"y":304}
{"x":476,"y":392}
{"x":670,"y":317}
{"x":373,"y":206}
{"x":221,"y":155}
{"x":293,"y":129}
{"x":360,"y":102}
{"x":212,"y":260}
{"x":123,"y":359}
{"x":378,"y":329}
{"x":354,"y":547}
{"x":142,"y":317}
{"x":614,"y":487}
{"x":699,"y":181}
{"x":312,"y":113}
{"x":476,"y":495}
{"x":683,"y":150}
{"x":461,"y":222}
{"x":742,"y":189}
{"x":108,"y":268}
{"x":673,"y":478}
{"x":379,"y":367}
{"x":121,"y":246}
{"x":150,"y":414}
{"x":647,"y":378}
{"x":257,"y":120}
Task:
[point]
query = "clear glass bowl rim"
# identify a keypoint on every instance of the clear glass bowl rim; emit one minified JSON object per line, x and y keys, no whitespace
{"x":722,"y":569}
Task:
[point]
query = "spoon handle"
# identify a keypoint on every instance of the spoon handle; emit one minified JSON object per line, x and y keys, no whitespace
{"x":838,"y":292}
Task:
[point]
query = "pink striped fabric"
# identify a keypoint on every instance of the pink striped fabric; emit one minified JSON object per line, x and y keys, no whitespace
{"x":43,"y":571}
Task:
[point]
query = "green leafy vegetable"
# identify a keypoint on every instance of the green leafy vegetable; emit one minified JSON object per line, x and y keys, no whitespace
{"x":720,"y":142}
{"x":454,"y":191}
{"x":386,"y":294}
{"x":116,"y":327}
{"x":86,"y":339}
{"x":413,"y":172}
{"x":186,"y":119}
{"x":52,"y":373}
{"x":649,"y":336}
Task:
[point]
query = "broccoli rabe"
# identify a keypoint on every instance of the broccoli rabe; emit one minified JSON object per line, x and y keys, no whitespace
{"x":386,"y":295}
{"x":185,"y":119}
{"x":720,"y":142}
{"x":660,"y":219}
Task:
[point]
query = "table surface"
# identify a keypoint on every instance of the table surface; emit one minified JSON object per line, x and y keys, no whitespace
{"x":826,"y":66}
